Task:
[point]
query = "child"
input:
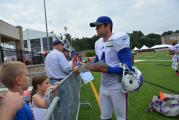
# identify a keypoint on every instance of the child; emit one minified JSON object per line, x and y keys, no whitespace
{"x":38,"y":96}
{"x":76,"y":60}
{"x":14,"y":76}
{"x":40,"y":87}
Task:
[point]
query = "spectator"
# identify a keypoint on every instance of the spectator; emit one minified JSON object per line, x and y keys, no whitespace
{"x":57,"y":68}
{"x":14,"y":76}
{"x":56,"y":65}
{"x":26,"y":96}
{"x":66,"y":52}
{"x":40,"y":87}
{"x":39,"y":102}
{"x":76,"y":60}
{"x":45,"y":53}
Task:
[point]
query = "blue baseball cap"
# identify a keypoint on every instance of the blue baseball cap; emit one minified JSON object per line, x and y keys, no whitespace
{"x":101,"y":20}
{"x":74,"y":53}
{"x":56,"y":42}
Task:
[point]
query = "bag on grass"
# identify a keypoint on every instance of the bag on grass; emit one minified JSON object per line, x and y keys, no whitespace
{"x":166,"y":104}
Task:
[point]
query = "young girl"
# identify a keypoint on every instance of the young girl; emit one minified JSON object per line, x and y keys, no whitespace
{"x":39,"y":103}
{"x":40,"y":87}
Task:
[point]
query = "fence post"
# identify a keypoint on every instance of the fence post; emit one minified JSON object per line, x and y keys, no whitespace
{"x":51,"y":108}
{"x":32,"y":57}
{"x":2,"y":54}
{"x":19,"y":55}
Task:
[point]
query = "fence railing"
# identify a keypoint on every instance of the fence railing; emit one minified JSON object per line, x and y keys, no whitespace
{"x":67,"y":104}
{"x":29,"y":58}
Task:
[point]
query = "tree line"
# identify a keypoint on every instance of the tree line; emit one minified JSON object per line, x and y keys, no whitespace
{"x":138,"y":39}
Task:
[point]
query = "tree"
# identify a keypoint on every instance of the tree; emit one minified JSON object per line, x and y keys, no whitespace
{"x":152,"y":39}
{"x":167,"y":33}
{"x":61,"y":36}
{"x":177,"y":31}
{"x":84,"y":43}
{"x":68,"y":37}
{"x":136,"y":39}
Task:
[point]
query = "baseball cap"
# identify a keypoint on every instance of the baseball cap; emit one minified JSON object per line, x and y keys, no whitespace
{"x":74,"y":53}
{"x":56,"y":42}
{"x":101,"y":20}
{"x":65,"y":49}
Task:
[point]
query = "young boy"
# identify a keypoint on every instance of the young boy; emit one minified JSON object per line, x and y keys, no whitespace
{"x":14,"y":76}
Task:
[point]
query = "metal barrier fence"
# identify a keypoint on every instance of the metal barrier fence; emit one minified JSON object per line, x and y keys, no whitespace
{"x":68,"y":105}
{"x":27,"y":57}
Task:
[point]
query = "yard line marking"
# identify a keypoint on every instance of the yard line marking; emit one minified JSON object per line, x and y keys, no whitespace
{"x":94,"y":91}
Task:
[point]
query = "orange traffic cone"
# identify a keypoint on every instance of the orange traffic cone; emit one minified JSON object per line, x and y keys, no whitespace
{"x":162,"y":96}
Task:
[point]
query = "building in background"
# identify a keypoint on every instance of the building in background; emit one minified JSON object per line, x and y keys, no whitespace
{"x":168,"y":38}
{"x":36,"y":41}
{"x":10,"y":37}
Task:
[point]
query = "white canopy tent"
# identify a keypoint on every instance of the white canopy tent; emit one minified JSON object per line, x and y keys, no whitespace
{"x":135,"y":49}
{"x":144,"y":47}
{"x":160,"y":46}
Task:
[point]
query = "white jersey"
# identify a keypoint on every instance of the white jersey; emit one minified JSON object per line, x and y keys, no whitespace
{"x":175,"y":48}
{"x":107,"y":52}
{"x":175,"y":58}
{"x":170,"y":48}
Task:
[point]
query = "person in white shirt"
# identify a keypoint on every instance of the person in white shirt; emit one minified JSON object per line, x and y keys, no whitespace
{"x":57,"y":68}
{"x":56,"y":64}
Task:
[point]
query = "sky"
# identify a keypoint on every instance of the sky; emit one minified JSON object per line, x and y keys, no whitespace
{"x":149,"y":16}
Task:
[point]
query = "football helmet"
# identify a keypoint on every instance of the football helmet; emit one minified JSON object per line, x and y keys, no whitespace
{"x":131,"y":79}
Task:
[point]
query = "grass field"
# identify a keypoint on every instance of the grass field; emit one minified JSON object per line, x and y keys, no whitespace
{"x":155,"y":71}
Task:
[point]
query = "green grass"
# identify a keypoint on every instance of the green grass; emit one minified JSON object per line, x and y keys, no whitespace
{"x":157,"y":72}
{"x":159,"y":55}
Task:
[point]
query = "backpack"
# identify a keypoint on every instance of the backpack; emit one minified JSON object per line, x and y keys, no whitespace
{"x":168,"y":105}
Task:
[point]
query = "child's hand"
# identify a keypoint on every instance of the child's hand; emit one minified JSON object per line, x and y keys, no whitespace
{"x":76,"y":70}
{"x":53,"y":88}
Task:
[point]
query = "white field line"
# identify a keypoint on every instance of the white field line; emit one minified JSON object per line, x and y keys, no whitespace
{"x":150,"y":60}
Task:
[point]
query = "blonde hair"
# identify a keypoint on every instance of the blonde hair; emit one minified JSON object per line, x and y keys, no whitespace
{"x":9,"y":71}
